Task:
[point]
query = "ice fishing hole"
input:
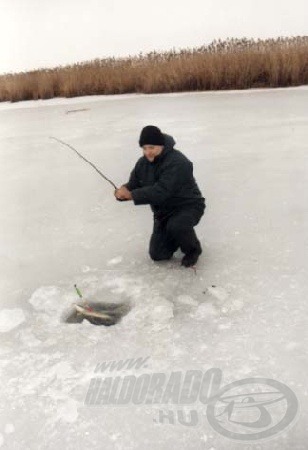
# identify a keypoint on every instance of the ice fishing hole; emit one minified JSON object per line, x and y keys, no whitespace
{"x":97,"y":313}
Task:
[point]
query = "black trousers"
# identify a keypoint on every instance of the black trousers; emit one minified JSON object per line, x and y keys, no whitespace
{"x":176,"y":231}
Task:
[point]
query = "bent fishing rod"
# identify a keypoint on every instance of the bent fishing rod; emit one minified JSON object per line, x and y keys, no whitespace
{"x":89,"y":162}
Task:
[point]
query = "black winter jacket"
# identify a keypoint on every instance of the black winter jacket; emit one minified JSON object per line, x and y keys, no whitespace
{"x":167,"y":183}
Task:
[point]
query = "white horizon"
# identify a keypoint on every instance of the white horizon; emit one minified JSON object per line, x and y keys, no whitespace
{"x":37,"y":35}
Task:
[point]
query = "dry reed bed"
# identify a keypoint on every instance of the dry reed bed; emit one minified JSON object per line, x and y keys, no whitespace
{"x":230,"y":64}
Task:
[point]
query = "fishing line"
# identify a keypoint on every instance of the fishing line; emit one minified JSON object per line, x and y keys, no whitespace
{"x":86,"y":160}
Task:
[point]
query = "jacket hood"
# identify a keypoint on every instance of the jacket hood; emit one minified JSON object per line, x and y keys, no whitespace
{"x":169,"y":141}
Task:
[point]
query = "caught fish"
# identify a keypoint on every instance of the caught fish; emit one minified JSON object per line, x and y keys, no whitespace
{"x":89,"y":312}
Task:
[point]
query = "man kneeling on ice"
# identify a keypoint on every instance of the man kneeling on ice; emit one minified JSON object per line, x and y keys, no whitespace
{"x":163,"y":178}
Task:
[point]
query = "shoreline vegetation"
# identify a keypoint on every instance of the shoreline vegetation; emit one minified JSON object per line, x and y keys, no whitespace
{"x":221,"y":65}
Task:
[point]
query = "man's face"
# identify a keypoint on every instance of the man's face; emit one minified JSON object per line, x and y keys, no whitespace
{"x":151,"y":151}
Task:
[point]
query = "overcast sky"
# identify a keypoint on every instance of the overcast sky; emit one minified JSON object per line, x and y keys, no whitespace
{"x":47,"y":33}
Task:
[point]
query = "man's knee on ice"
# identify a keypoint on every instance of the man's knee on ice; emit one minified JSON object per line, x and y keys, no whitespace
{"x":156,"y":256}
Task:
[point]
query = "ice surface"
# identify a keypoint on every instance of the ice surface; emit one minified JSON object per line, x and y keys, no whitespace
{"x":245,"y":309}
{"x":10,"y":318}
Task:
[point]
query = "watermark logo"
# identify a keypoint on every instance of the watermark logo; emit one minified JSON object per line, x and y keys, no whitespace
{"x":252,"y":409}
{"x":248,"y":410}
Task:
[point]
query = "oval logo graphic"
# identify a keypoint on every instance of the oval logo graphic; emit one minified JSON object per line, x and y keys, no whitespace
{"x":252,"y":409}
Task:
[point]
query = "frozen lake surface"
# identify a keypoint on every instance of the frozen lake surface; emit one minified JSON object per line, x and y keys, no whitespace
{"x":244,"y":311}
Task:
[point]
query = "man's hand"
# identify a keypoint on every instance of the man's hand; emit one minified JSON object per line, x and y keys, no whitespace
{"x":123,"y":193}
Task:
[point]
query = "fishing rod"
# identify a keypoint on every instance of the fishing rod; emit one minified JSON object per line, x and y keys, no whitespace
{"x":89,"y":162}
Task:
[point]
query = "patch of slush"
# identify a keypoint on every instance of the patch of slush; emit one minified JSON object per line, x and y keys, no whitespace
{"x":10,"y":319}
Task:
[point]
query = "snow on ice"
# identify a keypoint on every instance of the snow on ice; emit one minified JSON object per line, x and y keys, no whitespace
{"x":244,"y":311}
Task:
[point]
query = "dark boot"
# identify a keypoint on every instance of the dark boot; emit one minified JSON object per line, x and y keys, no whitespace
{"x":190,"y":259}
{"x":180,"y":231}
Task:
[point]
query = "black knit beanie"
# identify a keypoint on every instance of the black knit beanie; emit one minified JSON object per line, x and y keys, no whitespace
{"x":151,"y":135}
